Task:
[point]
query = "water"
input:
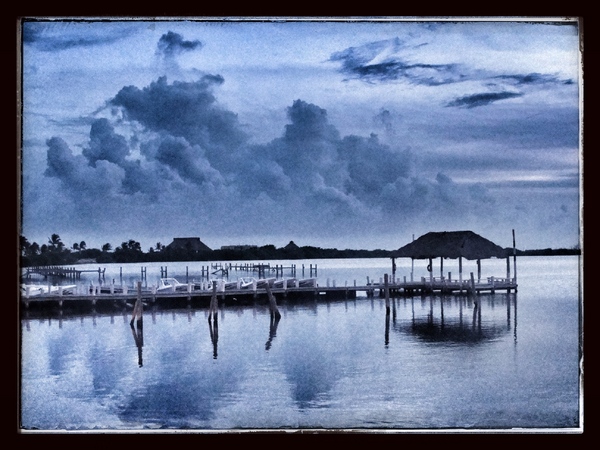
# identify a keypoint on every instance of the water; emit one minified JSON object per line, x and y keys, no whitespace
{"x":434,"y":363}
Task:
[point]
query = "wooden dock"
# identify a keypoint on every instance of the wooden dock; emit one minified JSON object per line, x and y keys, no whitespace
{"x":59,"y":272}
{"x":199,"y":295}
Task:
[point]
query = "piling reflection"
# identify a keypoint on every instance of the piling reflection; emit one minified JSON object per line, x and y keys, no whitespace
{"x":387,"y":328}
{"x":138,"y":336}
{"x":213,"y":327}
{"x":274,"y":322}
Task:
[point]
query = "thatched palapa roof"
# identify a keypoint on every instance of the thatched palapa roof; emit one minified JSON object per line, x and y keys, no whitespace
{"x":188,"y":244}
{"x":451,"y":244}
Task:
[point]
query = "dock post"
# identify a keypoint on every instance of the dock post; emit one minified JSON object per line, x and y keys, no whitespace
{"x":514,"y":259}
{"x":472,"y":284}
{"x":138,"y":308}
{"x":273,"y":303}
{"x":214,"y":303}
{"x":387,"y":293}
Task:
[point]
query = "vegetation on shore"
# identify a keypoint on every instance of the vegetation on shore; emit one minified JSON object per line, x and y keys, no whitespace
{"x":55,"y":252}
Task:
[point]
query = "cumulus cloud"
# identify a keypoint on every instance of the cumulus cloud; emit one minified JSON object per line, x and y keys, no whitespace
{"x":189,"y":148}
{"x":188,"y":110}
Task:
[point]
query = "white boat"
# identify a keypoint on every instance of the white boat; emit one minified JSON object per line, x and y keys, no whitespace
{"x":262,"y":283}
{"x":241,"y":283}
{"x":170,"y":285}
{"x":248,"y":282}
{"x":285,"y":282}
{"x":308,"y":282}
{"x":31,"y":290}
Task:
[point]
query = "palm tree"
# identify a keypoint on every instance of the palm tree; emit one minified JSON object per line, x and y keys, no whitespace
{"x":55,"y":242}
{"x":76,"y":246}
{"x":82,"y":245}
{"x":106,"y":247}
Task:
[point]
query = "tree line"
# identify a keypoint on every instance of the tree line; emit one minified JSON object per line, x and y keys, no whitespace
{"x":55,"y":252}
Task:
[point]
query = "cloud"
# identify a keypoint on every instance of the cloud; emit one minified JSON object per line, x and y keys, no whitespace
{"x":381,"y":61}
{"x":190,"y":160}
{"x":105,"y":144}
{"x":188,"y":110}
{"x":533,"y":79}
{"x":78,"y":178}
{"x":482,"y":99}
{"x":67,"y":35}
{"x":172,"y":44}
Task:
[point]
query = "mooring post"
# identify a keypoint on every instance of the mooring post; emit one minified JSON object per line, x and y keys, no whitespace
{"x":213,"y":308}
{"x":514,"y":259}
{"x":272,"y":303}
{"x":138,"y":308}
{"x":472,"y":284}
{"x":387,"y":293}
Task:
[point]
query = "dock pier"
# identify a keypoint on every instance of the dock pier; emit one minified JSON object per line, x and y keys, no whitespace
{"x":60,"y":272}
{"x":200,"y":294}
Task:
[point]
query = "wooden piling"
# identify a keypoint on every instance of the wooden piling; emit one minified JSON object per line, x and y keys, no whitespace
{"x":472,"y":284}
{"x":138,"y":308}
{"x":387,"y":293}
{"x":214,"y":303}
{"x":272,"y":302}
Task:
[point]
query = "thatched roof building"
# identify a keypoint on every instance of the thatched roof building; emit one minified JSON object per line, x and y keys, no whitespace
{"x":193,"y":244}
{"x":451,"y":244}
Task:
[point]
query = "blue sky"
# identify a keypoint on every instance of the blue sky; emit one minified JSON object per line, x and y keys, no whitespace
{"x":333,"y":133}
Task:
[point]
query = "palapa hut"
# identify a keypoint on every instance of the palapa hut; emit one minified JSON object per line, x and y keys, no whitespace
{"x":454,"y":244}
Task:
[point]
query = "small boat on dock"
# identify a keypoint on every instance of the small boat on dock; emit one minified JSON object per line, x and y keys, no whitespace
{"x":307,"y":282}
{"x":284,"y":283}
{"x":31,"y":290}
{"x":170,"y":285}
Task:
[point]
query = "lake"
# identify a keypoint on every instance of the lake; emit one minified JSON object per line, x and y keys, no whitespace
{"x":441,"y":363}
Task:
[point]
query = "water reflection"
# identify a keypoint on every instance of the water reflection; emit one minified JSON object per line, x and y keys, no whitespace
{"x":274,"y":322}
{"x":439,"y":325}
{"x":214,"y":333}
{"x":138,"y":337}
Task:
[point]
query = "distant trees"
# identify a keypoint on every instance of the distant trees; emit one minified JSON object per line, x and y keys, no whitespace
{"x":54,"y":252}
{"x":130,"y":251}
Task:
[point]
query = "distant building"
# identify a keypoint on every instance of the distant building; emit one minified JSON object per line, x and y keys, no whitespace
{"x":189,"y":244}
{"x":238,"y":247}
{"x":291,"y":247}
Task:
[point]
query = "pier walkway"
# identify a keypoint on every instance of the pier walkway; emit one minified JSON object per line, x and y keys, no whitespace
{"x":58,"y":271}
{"x":201,"y":294}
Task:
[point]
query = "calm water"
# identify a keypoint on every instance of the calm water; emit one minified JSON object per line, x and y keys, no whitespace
{"x":433,"y":363}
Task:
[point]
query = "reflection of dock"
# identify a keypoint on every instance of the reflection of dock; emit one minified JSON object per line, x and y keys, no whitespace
{"x":201,"y":294}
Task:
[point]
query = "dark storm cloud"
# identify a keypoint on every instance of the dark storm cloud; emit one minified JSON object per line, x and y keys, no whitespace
{"x":35,"y":34}
{"x":172,"y":44}
{"x":482,"y":99}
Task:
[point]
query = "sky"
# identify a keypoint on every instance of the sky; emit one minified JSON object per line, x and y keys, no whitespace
{"x":349,"y":134}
